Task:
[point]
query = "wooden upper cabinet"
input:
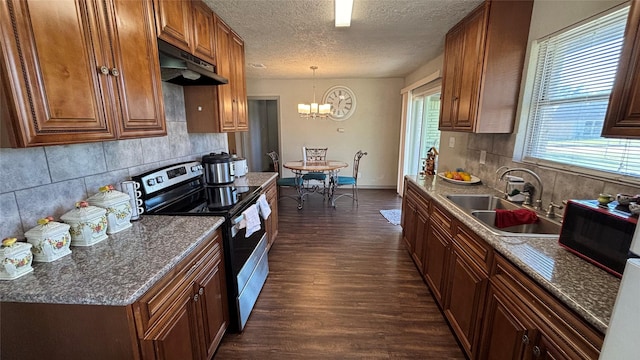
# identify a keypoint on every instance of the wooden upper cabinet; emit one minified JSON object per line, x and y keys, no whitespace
{"x":188,"y":25}
{"x":79,"y":71}
{"x":203,"y":32}
{"x":138,"y":82}
{"x":483,"y":62}
{"x":53,"y":53}
{"x":623,"y":115}
{"x":238,"y":83}
{"x":173,"y":22}
{"x":224,"y":68}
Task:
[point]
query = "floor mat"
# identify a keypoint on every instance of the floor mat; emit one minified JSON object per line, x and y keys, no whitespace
{"x":393,"y":216}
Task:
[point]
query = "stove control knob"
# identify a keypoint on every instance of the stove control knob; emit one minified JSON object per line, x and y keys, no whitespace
{"x":159,"y":179}
{"x":151,"y":182}
{"x":194,"y":168}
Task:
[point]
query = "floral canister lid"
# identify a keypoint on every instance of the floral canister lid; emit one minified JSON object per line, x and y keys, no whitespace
{"x":83,"y":212}
{"x":11,"y":246}
{"x":47,"y":228}
{"x":107,"y":197}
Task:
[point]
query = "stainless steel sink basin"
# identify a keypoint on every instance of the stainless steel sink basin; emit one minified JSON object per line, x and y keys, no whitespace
{"x":481,"y":202}
{"x":543,"y":228}
{"x":483,"y":207}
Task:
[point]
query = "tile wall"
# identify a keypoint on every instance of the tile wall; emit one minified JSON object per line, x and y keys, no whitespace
{"x":557,"y":185}
{"x":43,"y":181}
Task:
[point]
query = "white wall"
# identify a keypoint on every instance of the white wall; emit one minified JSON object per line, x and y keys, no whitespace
{"x":374,"y":127}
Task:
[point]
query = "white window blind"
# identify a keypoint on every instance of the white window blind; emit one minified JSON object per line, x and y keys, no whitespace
{"x":574,"y":76}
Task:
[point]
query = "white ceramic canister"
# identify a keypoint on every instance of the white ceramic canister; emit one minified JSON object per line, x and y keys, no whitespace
{"x":88,"y":224}
{"x":50,"y":240}
{"x":15,"y":259}
{"x":118,"y":208}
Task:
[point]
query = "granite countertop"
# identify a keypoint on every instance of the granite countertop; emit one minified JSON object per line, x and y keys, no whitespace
{"x":120,"y":269}
{"x":588,"y":290}
{"x":255,"y":179}
{"x":116,"y":271}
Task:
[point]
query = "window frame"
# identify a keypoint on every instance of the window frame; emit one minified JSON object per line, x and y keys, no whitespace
{"x":522,"y":136}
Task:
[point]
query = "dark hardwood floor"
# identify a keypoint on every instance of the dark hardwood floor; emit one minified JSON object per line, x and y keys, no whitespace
{"x":342,"y":286}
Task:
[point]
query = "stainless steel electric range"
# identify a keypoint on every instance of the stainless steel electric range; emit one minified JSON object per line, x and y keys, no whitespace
{"x":181,"y":189}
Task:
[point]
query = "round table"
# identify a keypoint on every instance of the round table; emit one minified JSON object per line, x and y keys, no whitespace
{"x":299,"y":168}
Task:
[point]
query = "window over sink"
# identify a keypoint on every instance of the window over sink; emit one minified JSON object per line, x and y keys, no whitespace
{"x":569,"y":85}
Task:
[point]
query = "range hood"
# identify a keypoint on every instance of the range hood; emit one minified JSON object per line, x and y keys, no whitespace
{"x":181,"y":68}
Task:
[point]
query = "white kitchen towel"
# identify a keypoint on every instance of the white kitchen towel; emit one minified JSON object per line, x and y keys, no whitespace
{"x":265,"y":209}
{"x":253,"y":220}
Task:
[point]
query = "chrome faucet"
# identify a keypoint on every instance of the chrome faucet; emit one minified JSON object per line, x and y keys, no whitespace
{"x":499,"y":178}
{"x":538,"y":203}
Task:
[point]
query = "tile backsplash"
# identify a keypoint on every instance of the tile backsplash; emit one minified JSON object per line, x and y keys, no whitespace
{"x":43,"y":181}
{"x":557,"y":185}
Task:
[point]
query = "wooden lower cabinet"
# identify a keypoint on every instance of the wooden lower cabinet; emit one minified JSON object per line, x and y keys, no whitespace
{"x":507,"y":332}
{"x":495,"y":310}
{"x":554,"y":331}
{"x":176,"y":335}
{"x":437,"y":252}
{"x":185,"y":315}
{"x":415,"y":224}
{"x":271,"y":224}
{"x":464,"y":300}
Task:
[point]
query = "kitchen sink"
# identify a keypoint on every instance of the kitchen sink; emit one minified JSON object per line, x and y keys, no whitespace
{"x":543,"y":228}
{"x":481,"y":202}
{"x":483,"y":206}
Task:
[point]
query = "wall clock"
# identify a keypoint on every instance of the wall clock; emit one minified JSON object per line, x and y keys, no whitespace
{"x":342,"y":101}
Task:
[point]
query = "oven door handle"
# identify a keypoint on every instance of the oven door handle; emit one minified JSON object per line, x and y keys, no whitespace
{"x":235,"y":224}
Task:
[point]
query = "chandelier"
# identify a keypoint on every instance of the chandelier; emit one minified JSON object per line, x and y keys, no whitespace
{"x":314,"y":110}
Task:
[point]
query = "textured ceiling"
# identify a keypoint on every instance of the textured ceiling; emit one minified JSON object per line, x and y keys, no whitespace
{"x":387,"y":38}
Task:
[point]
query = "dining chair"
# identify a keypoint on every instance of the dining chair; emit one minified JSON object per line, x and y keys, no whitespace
{"x":294,"y":182}
{"x":351,"y":180}
{"x":316,"y":154}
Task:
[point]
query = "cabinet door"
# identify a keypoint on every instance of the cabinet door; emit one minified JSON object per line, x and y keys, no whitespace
{"x":507,"y":332}
{"x":173,"y":22}
{"x":623,"y":115}
{"x":53,"y":52}
{"x":203,"y":32}
{"x":223,"y":66}
{"x":174,"y":337}
{"x":213,"y":308}
{"x":451,"y":78}
{"x":472,"y":57}
{"x":437,"y":257}
{"x":271,"y":224}
{"x":465,"y":298}
{"x":238,"y":84}
{"x":422,"y":225}
{"x":409,"y":227}
{"x":135,"y":53}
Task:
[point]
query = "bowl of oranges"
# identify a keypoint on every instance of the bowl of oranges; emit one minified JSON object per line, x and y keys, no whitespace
{"x":459,"y":177}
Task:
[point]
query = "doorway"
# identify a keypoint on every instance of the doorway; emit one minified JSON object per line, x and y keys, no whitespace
{"x":422,"y":129}
{"x":262,"y":136}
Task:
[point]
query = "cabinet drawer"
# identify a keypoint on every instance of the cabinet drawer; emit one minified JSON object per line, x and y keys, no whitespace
{"x":159,"y":299}
{"x":475,"y":247}
{"x":441,"y":219}
{"x":561,"y":325}
{"x":418,"y":196}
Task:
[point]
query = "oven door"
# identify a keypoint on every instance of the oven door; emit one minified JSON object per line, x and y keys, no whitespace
{"x":250,"y":267}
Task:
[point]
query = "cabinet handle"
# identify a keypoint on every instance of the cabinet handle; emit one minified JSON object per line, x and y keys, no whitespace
{"x":201,"y":291}
{"x":196,"y":297}
{"x":115,"y":72}
{"x":104,"y":70}
{"x":536,"y":351}
{"x":525,"y":339}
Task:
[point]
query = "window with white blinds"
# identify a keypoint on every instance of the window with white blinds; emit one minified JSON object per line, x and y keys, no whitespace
{"x":573,"y":79}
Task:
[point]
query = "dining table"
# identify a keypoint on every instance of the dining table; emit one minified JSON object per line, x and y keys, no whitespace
{"x":330,"y":167}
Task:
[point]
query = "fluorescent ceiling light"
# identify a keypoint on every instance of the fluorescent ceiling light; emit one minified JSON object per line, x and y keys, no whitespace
{"x":343,"y":12}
